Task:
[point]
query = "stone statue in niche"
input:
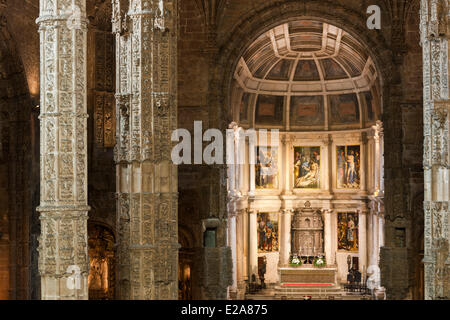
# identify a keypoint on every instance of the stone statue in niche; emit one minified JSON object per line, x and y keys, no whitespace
{"x":307,"y":234}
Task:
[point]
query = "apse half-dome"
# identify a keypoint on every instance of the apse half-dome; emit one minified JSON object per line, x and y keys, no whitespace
{"x":306,"y":75}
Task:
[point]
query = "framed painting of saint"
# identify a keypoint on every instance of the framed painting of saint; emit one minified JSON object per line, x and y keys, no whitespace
{"x":347,"y":231}
{"x":307,"y":167}
{"x":348,"y":167}
{"x":266,"y":168}
{"x":267,"y":224}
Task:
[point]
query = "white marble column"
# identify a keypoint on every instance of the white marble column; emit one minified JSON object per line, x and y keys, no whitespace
{"x":251,"y":155}
{"x":286,"y":143}
{"x":327,"y":238}
{"x":371,"y":249}
{"x":364,"y":162}
{"x":378,"y":155}
{"x":146,"y":90}
{"x":239,"y":249}
{"x":240,"y":154}
{"x":245,"y":245}
{"x":362,"y":240}
{"x":253,"y":244}
{"x":376,"y":238}
{"x":231,"y":159}
{"x":63,"y":244}
{"x":232,"y":243}
{"x":285,"y":237}
{"x":328,"y":169}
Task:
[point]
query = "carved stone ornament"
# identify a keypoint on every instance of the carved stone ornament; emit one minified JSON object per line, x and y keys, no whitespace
{"x":146,"y":114}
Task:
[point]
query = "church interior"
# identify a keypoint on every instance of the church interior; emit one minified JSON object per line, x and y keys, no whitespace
{"x":348,"y":196}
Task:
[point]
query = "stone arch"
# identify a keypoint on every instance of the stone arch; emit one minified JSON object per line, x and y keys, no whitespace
{"x":386,"y":56}
{"x":266,"y":17}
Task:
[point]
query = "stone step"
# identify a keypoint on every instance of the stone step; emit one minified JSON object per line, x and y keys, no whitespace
{"x":312,"y":289}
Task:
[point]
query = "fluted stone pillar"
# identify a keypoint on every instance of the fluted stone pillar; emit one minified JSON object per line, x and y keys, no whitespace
{"x":146,"y":91}
{"x":63,"y":244}
{"x":435,"y":32}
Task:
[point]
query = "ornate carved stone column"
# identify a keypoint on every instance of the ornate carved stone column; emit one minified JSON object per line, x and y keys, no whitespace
{"x":146,"y":37}
{"x":63,"y":244}
{"x":434,"y":39}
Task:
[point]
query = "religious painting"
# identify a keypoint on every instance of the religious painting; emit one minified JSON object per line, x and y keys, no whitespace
{"x":269,"y":110}
{"x":266,"y":168}
{"x":307,"y":167}
{"x":347,"y":231}
{"x":280,"y":71}
{"x":307,"y":111}
{"x":344,"y":109}
{"x":333,"y":70}
{"x":348,"y":167}
{"x":306,"y":71}
{"x":267,"y":232}
{"x":247,"y":98}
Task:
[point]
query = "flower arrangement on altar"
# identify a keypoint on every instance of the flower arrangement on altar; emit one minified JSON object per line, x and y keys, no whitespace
{"x":296,"y":261}
{"x":319,"y":262}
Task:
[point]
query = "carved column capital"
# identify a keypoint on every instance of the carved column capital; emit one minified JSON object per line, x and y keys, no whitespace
{"x":287,"y":211}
